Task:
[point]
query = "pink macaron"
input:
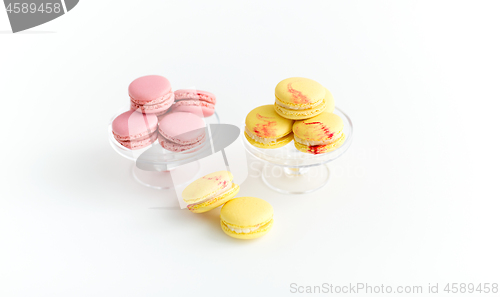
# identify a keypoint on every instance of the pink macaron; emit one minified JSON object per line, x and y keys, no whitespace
{"x":201,"y":103}
{"x":181,"y":131}
{"x":151,"y":94}
{"x":135,"y":130}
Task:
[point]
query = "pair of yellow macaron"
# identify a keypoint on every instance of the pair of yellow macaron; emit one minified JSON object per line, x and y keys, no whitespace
{"x":242,"y":218}
{"x":303,"y":112}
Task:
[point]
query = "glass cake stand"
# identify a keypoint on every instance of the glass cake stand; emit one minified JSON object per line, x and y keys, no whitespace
{"x":153,"y":164}
{"x":289,"y":171}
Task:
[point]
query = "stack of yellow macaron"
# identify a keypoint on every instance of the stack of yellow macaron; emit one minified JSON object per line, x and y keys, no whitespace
{"x":242,"y":218}
{"x":303,"y":111}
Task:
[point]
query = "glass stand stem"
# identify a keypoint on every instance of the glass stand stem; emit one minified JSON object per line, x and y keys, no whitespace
{"x":292,"y":180}
{"x":292,"y":171}
{"x":166,"y":179}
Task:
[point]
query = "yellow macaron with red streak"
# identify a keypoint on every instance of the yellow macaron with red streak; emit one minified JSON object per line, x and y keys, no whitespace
{"x":246,"y":217}
{"x":320,"y":134}
{"x":299,"y":98}
{"x":210,"y":191}
{"x":264,"y":128}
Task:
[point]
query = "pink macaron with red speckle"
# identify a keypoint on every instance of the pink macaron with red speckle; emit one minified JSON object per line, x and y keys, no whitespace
{"x":151,"y":94}
{"x":135,"y":130}
{"x":181,"y":131}
{"x":201,"y":103}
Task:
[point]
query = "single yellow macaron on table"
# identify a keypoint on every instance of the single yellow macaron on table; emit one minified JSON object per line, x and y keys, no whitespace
{"x":299,"y":98}
{"x":210,"y":191}
{"x":320,"y":134}
{"x":246,"y":217}
{"x":264,"y":128}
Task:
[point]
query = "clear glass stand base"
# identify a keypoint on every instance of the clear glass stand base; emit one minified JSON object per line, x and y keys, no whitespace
{"x":295,"y":180}
{"x":163,"y":180}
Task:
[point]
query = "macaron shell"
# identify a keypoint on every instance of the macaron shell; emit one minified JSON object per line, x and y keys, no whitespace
{"x":330,"y":102}
{"x":245,"y":212}
{"x":299,"y":91}
{"x":270,"y":145}
{"x":199,"y":108}
{"x":133,"y":125}
{"x":160,"y":114}
{"x":264,"y":122}
{"x":206,"y":186}
{"x":294,"y":114}
{"x":149,"y":88}
{"x":319,"y":128}
{"x":216,"y":201}
{"x":320,"y":149}
{"x":182,"y":127}
{"x":183,"y":94}
{"x":255,"y":234}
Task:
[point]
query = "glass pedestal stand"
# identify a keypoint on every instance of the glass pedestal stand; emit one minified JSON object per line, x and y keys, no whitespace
{"x":153,"y":165}
{"x":289,"y":171}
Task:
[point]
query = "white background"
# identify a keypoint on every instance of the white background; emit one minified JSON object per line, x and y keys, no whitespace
{"x":414,"y":201}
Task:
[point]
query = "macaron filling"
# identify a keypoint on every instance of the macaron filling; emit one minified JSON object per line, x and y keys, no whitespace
{"x":220,"y":192}
{"x":246,"y":230}
{"x":298,"y":106}
{"x":192,"y":102}
{"x":243,"y":230}
{"x":153,"y":102}
{"x":151,"y":107}
{"x":262,"y":139}
{"x":176,"y":147}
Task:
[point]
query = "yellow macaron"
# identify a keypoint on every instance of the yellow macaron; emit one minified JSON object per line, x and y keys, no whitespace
{"x":246,"y":217}
{"x":264,"y":128}
{"x":330,"y":102}
{"x":320,"y":134}
{"x":299,"y":98}
{"x":210,"y":191}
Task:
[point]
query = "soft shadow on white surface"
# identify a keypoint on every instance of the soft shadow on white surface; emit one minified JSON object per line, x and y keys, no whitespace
{"x":93,"y":172}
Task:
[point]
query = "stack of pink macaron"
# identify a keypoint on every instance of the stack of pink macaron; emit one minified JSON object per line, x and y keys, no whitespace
{"x":153,"y":104}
